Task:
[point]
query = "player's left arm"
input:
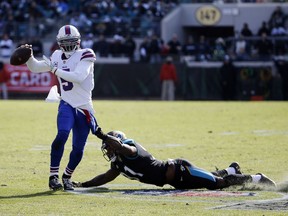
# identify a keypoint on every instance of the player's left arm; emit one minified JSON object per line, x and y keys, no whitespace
{"x":121,"y":148}
{"x":128,"y":150}
{"x":101,"y":179}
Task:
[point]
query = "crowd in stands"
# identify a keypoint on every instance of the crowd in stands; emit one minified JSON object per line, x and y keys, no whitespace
{"x":36,"y":18}
{"x":110,"y":27}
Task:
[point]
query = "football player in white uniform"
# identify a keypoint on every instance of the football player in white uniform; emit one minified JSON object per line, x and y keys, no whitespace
{"x":74,"y":68}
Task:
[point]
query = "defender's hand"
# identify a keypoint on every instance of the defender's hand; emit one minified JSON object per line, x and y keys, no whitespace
{"x":77,"y":184}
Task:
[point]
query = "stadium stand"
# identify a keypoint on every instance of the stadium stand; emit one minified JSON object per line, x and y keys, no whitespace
{"x":151,"y":25}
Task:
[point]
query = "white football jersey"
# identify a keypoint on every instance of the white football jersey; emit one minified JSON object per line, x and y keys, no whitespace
{"x":77,"y":94}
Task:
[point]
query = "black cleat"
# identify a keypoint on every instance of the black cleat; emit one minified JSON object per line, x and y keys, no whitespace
{"x":236,"y":166}
{"x":222,"y":173}
{"x":54,"y":183}
{"x":68,"y":185}
{"x":266,"y":181}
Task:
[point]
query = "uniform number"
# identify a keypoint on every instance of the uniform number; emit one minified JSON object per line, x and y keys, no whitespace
{"x":66,"y":85}
{"x":129,"y":173}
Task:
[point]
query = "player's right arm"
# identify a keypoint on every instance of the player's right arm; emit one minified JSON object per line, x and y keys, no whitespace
{"x":37,"y":66}
{"x":101,"y":179}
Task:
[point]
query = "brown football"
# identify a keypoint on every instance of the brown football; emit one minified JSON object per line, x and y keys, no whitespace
{"x":20,"y":56}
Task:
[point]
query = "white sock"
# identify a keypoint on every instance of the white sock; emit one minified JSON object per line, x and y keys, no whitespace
{"x":256,"y":178}
{"x":230,"y":170}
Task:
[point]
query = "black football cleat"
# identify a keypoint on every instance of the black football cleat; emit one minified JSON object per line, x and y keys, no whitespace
{"x":222,"y":173}
{"x":237,"y":168}
{"x":266,"y":181}
{"x":54,"y":183}
{"x":68,"y":185}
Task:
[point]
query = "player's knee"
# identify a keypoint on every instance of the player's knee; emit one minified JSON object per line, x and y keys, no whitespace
{"x":60,"y":139}
{"x":77,"y":152}
{"x":218,"y":184}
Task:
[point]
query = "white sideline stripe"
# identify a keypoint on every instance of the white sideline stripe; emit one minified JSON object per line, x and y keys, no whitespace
{"x":97,"y":145}
{"x":285,"y":197}
{"x":260,"y":132}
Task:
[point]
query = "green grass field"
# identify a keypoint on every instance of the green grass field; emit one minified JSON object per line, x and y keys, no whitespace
{"x":208,"y":134}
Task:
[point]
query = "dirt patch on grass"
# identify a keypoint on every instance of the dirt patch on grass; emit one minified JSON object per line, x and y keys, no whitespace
{"x":279,"y":204}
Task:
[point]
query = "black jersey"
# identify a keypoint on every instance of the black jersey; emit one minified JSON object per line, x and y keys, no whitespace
{"x":142,"y":167}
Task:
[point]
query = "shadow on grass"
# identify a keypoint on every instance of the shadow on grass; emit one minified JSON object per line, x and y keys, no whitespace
{"x":44,"y":193}
{"x":51,"y":192}
{"x":161,"y":192}
{"x":107,"y":190}
{"x":146,"y":191}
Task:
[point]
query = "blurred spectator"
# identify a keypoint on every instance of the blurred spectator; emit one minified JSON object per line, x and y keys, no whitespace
{"x":116,"y":46}
{"x":119,"y":23}
{"x":9,"y":26}
{"x":245,"y":31}
{"x":280,"y":47}
{"x":61,"y":6}
{"x":81,"y":22}
{"x":155,"y":48}
{"x":282,"y":69}
{"x":203,"y":49}
{"x":219,"y":50}
{"x":164,"y":50}
{"x":101,"y":47}
{"x":228,"y":79}
{"x":174,"y":46}
{"x":242,"y":49}
{"x":278,"y":31}
{"x":168,"y":78}
{"x":144,"y":50}
{"x":263,"y":29}
{"x":264,"y":48}
{"x":6,"y":46}
{"x":129,"y":47}
{"x":277,"y":18}
{"x":189,"y":48}
{"x":87,"y":41}
{"x":3,"y":79}
{"x":100,"y":28}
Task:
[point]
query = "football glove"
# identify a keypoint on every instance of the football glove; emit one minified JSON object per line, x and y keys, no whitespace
{"x":27,"y":46}
{"x":48,"y":62}
{"x":109,"y":140}
{"x":100,"y":134}
{"x":77,"y":184}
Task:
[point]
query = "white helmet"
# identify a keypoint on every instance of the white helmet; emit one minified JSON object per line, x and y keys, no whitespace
{"x":68,"y":39}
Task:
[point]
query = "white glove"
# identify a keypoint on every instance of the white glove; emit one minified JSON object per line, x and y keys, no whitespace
{"x":53,"y":69}
{"x":27,"y":46}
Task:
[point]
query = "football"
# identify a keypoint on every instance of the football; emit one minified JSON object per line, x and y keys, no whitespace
{"x":20,"y":56}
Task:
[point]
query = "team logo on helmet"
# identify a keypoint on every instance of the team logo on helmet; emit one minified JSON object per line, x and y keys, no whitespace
{"x":118,"y":134}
